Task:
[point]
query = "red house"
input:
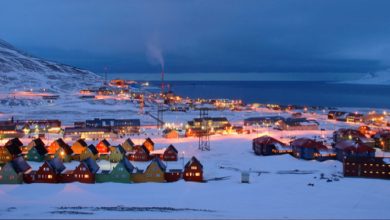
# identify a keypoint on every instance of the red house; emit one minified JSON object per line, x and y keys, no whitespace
{"x":84,"y":172}
{"x":140,"y":153}
{"x":103,"y":147}
{"x":193,"y":171}
{"x":49,"y":172}
{"x":166,"y":154}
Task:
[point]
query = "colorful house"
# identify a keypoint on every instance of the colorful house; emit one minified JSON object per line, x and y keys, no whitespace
{"x":193,"y":171}
{"x":103,"y":147}
{"x":382,"y":140}
{"x":352,"y":134}
{"x":55,"y":145}
{"x":37,"y":152}
{"x":128,"y":145}
{"x":116,"y":153}
{"x":49,"y":172}
{"x":166,"y":154}
{"x":155,"y":172}
{"x":351,"y":148}
{"x":121,"y":173}
{"x":89,"y":152}
{"x":79,"y":146}
{"x":267,"y":145}
{"x":84,"y":172}
{"x":64,"y":152}
{"x":170,"y":133}
{"x":308,"y":149}
{"x":12,"y":172}
{"x":140,"y":153}
{"x":149,"y":144}
{"x":5,"y":155}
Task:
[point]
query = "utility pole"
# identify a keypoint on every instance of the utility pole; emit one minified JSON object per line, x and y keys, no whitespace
{"x":204,"y":132}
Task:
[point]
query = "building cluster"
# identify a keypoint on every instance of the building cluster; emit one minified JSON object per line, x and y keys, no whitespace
{"x":15,"y":169}
{"x":20,"y":128}
{"x":352,"y":147}
{"x":292,"y":123}
{"x":211,"y":126}
{"x":355,"y":117}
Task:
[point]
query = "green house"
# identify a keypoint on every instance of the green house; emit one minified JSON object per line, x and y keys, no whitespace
{"x":8,"y":175}
{"x":121,"y":173}
{"x":37,"y":153}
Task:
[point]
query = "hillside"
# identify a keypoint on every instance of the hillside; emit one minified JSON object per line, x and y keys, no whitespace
{"x":21,"y":71}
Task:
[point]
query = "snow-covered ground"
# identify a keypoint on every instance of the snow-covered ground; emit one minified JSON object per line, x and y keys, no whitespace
{"x":269,"y":195}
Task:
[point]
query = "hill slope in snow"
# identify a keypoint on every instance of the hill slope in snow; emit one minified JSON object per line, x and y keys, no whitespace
{"x":21,"y":71}
{"x":378,"y":78}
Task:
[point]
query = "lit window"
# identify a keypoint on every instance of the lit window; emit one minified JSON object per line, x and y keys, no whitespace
{"x":197,"y":174}
{"x":49,"y":176}
{"x":86,"y":176}
{"x":193,"y":167}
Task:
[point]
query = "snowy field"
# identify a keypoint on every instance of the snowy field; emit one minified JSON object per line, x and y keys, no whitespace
{"x":271,"y":194}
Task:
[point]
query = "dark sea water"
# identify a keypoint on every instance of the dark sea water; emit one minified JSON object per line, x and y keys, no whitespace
{"x":300,"y":93}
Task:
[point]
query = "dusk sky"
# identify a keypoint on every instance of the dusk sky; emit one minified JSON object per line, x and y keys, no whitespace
{"x":203,"y":36}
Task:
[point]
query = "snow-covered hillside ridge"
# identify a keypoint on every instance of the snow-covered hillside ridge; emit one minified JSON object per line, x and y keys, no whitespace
{"x":21,"y":71}
{"x":377,"y":78}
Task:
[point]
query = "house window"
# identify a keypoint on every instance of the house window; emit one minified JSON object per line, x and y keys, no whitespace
{"x":197,"y":174}
{"x":193,"y":167}
{"x":157,"y":175}
{"x":49,"y":176}
{"x":12,"y":177}
{"x":86,"y":176}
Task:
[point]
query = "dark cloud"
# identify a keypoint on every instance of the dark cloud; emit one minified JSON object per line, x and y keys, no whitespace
{"x":204,"y":36}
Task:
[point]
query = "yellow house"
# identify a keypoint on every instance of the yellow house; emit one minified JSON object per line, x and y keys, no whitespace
{"x":116,"y":153}
{"x":5,"y":155}
{"x":154,"y":173}
{"x":128,"y":145}
{"x":89,"y":152}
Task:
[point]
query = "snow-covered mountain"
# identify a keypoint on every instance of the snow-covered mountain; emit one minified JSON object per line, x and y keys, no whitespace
{"x":21,"y":71}
{"x":377,"y":78}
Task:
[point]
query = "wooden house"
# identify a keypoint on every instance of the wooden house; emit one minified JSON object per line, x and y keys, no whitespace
{"x":49,"y":172}
{"x":308,"y":149}
{"x":382,"y":140}
{"x":128,"y":145}
{"x":12,"y":172}
{"x":64,"y":152}
{"x":37,"y":151}
{"x":155,"y":172}
{"x":5,"y":155}
{"x":354,"y":118}
{"x":116,"y":153}
{"x":170,"y":133}
{"x":149,"y":144}
{"x":55,"y":145}
{"x":173,"y":175}
{"x":79,"y":146}
{"x":351,"y":148}
{"x":84,"y":172}
{"x":14,"y":147}
{"x":193,"y":171}
{"x":140,"y":153}
{"x":166,"y":154}
{"x":267,"y":145}
{"x":352,"y":134}
{"x":337,"y":115}
{"x":121,"y":173}
{"x":10,"y":131}
{"x":373,"y":167}
{"x":89,"y":152}
{"x":292,"y":124}
{"x":103,"y":147}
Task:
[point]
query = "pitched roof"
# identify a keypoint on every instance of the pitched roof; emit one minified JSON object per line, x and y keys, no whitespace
{"x":40,"y":146}
{"x":13,"y":146}
{"x":120,"y":148}
{"x":68,"y":150}
{"x":268,"y":140}
{"x":82,"y":142}
{"x":105,"y":142}
{"x":129,"y":141}
{"x":93,"y":149}
{"x":56,"y":164}
{"x":350,"y":145}
{"x":192,"y":161}
{"x":127,"y":164}
{"x":20,"y":165}
{"x":158,"y":162}
{"x":91,"y":165}
{"x":172,"y":147}
{"x":308,"y":143}
{"x":149,"y":140}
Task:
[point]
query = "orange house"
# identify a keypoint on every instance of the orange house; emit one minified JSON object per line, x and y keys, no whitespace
{"x":79,"y":146}
{"x":55,"y":145}
{"x":149,"y":144}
